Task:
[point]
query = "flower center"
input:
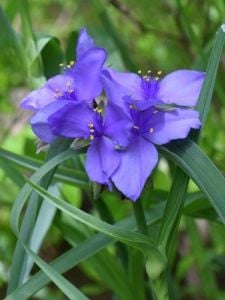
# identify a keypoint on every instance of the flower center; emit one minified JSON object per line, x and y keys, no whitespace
{"x":149,"y":84}
{"x":96,"y":127}
{"x":69,"y":94}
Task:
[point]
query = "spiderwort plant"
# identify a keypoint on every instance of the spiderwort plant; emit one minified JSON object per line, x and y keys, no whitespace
{"x":139,"y":113}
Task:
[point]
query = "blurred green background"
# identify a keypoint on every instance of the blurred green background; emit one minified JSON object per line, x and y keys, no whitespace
{"x":143,"y":34}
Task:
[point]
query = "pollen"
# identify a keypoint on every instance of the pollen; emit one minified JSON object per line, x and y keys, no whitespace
{"x":91,"y":137}
{"x":151,"y":130}
{"x":98,"y":110}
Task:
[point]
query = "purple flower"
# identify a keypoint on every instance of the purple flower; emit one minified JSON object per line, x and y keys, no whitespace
{"x":139,"y":113}
{"x":181,"y":87}
{"x":150,"y":127}
{"x":147,"y":102}
{"x":79,"y":82}
{"x":105,"y":133}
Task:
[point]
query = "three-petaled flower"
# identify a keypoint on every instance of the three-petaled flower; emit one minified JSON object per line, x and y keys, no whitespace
{"x":139,"y":113}
{"x":80,"y":81}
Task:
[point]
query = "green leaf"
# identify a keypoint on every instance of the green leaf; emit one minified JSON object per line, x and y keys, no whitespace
{"x":49,"y":47}
{"x":80,"y":253}
{"x":201,"y":169}
{"x":204,"y":101}
{"x":176,"y":198}
{"x":136,"y":240}
{"x":44,"y":220}
{"x":104,"y":263}
{"x":19,"y":258}
{"x":66,"y":287}
{"x":66,"y":175}
{"x":12,"y":173}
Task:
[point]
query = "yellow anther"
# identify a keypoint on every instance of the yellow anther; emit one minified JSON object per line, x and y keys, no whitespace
{"x":90,"y":125}
{"x":91,"y":137}
{"x":139,"y":71}
{"x":159,"y":72}
{"x":98,"y":110}
{"x":61,"y":65}
{"x":68,"y":66}
{"x":149,"y":72}
{"x":151,"y":130}
{"x":72,"y":62}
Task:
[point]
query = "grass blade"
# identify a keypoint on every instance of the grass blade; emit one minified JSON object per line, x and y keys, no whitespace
{"x":176,"y":198}
{"x":76,"y":255}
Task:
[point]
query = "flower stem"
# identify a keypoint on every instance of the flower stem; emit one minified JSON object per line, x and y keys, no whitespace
{"x":140,"y":217}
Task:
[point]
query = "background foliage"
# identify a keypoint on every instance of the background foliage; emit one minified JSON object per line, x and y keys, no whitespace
{"x":156,"y":35}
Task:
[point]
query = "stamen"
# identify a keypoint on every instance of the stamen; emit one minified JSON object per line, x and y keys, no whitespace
{"x":98,"y":110}
{"x":61,"y":65}
{"x":159,"y":72}
{"x":139,"y":72}
{"x":136,"y":127}
{"x":149,"y":72}
{"x":156,"y":78}
{"x":90,"y":125}
{"x":151,"y":130}
{"x":92,"y":130}
{"x":72,"y":62}
{"x":91,"y":137}
{"x":68,"y":84}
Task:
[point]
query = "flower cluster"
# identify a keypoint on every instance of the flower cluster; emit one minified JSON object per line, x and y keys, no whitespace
{"x":122,"y":128}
